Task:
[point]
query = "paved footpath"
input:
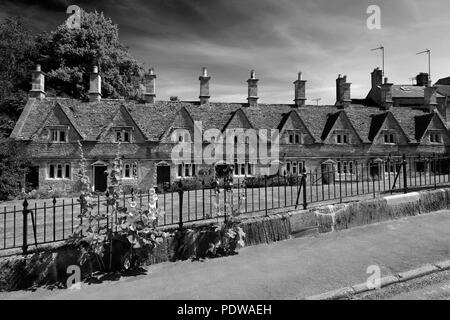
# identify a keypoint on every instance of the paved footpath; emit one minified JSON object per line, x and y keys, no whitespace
{"x":290,"y":269}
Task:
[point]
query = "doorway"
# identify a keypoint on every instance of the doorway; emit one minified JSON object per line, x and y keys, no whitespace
{"x":32,"y":178}
{"x":162,"y":174}
{"x":100,"y":178}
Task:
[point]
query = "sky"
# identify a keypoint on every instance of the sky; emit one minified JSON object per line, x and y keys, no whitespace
{"x":276,"y":38}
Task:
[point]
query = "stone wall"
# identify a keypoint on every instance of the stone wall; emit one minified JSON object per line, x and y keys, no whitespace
{"x":49,"y":266}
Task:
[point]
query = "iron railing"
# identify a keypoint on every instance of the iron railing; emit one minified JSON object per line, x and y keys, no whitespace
{"x":36,"y":222}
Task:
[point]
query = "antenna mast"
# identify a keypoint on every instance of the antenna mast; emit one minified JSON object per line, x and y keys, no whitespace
{"x":428,"y":51}
{"x":382,"y":56}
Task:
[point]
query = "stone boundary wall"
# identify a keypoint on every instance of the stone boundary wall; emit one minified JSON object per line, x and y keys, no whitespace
{"x":48,"y":266}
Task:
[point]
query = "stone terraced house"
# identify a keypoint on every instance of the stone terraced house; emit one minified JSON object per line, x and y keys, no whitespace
{"x":391,"y":120}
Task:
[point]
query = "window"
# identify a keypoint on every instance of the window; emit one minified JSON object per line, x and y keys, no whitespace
{"x":342,"y":138}
{"x":186,"y":170}
{"x":123,"y":135}
{"x":126,"y":170}
{"x":67,"y":171}
{"x":242,"y":169}
{"x":59,"y":171}
{"x":294,"y":167}
{"x":130,"y":170}
{"x":58,"y":135}
{"x":346,"y":167}
{"x":392,"y":166}
{"x":435,"y":138}
{"x":389,"y":138}
{"x":294,"y":137}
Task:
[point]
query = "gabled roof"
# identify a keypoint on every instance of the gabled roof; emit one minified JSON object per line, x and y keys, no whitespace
{"x":331,"y":121}
{"x":91,"y":120}
{"x":238,"y":120}
{"x":423,"y":122}
{"x":376,"y":124}
{"x":378,"y":120}
{"x":295,"y":117}
{"x":405,"y":117}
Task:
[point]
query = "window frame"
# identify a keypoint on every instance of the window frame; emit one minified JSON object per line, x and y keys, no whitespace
{"x":56,"y":135}
{"x":59,"y":171}
{"x":121,"y":133}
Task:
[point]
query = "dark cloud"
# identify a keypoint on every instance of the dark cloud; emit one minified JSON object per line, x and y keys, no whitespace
{"x":277,"y":38}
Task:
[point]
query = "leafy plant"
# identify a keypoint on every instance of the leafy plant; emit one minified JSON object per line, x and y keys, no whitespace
{"x":99,"y":233}
{"x":229,"y":236}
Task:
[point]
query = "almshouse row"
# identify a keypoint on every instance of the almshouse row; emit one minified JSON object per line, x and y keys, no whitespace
{"x":392,"y":120}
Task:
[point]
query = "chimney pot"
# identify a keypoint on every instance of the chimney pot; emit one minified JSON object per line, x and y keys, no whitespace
{"x":430,"y":98}
{"x":300,"y":91}
{"x":386,"y":101}
{"x":149,"y":84}
{"x":204,"y":86}
{"x":343,"y":94}
{"x":252,"y":90}
{"x":37,"y":84}
{"x":95,"y":85}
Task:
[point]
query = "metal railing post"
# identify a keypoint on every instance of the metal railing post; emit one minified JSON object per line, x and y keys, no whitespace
{"x":305,"y":204}
{"x":405,"y":180}
{"x":180,"y":195}
{"x":25,"y":227}
{"x":265,"y":194}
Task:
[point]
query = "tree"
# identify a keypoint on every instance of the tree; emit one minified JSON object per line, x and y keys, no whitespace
{"x":17,"y":58}
{"x":68,"y":56}
{"x":13,"y":166}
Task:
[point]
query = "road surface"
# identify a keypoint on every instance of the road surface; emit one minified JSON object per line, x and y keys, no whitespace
{"x":289,"y":269}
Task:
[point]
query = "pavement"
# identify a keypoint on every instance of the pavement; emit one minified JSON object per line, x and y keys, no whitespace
{"x":435,"y":286}
{"x":292,"y":269}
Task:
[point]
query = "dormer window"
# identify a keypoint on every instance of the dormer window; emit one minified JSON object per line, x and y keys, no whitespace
{"x":294,"y":137}
{"x":389,"y":138}
{"x":123,"y":135}
{"x":58,"y":135}
{"x":342,"y":138}
{"x":435,"y":137}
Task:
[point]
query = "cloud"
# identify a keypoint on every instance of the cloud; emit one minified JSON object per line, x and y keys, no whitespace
{"x":276,"y":38}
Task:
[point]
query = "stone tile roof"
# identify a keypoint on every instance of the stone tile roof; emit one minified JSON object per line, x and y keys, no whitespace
{"x":409,"y":91}
{"x":153,"y":120}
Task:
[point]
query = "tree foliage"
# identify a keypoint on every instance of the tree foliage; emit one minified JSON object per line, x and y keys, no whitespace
{"x":68,"y":55}
{"x":13,"y":165}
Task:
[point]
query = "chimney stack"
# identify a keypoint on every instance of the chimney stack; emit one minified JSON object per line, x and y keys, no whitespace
{"x":422,"y":79}
{"x":300,"y":91}
{"x":430,"y":100}
{"x":95,"y":85}
{"x":252,"y":90}
{"x":386,"y":101}
{"x":37,"y":83}
{"x":204,"y":86}
{"x":149,"y":83}
{"x":377,"y":78}
{"x":343,"y":96}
